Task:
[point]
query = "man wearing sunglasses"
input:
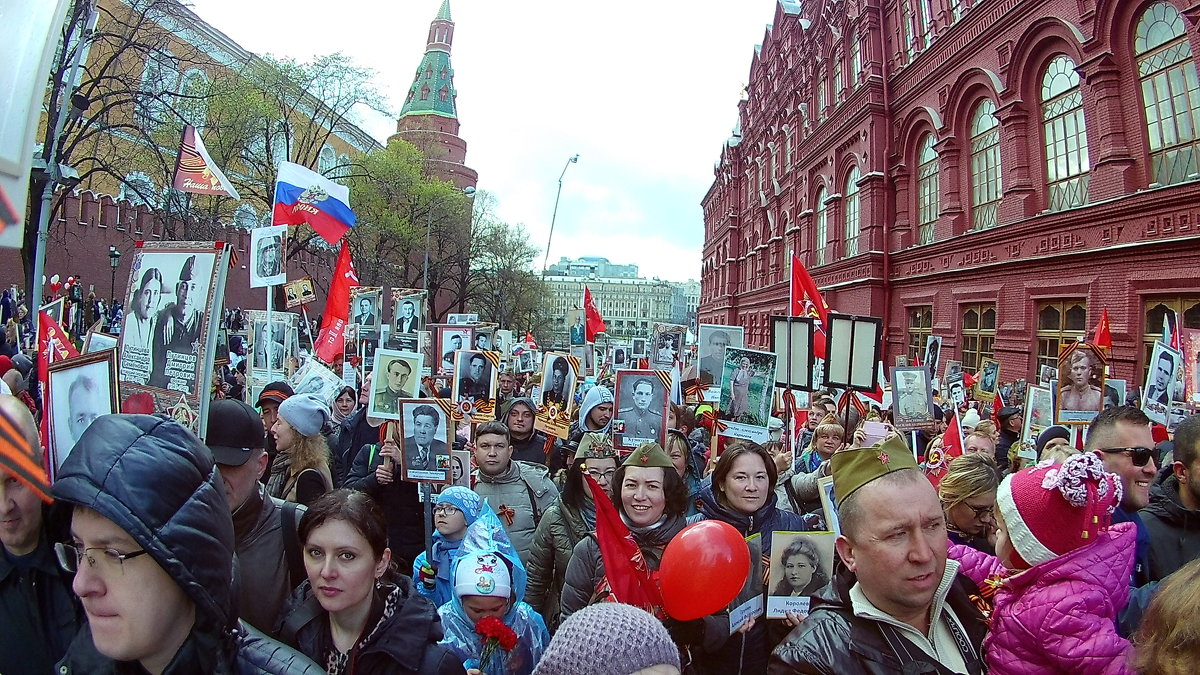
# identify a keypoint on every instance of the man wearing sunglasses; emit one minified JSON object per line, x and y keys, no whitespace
{"x":152,"y":547}
{"x":1173,"y":517}
{"x":1121,"y":436}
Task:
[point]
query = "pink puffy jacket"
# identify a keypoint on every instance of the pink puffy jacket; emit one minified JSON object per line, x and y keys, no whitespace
{"x":1059,"y":616}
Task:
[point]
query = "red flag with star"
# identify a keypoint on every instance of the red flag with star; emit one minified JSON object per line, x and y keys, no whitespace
{"x":330,"y":344}
{"x":806,"y":300}
{"x":937,"y":464}
{"x":595,"y":322}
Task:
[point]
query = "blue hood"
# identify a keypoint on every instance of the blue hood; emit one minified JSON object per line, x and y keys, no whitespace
{"x":487,"y":535}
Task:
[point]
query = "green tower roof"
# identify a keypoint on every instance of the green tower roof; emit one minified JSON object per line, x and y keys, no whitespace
{"x":444,"y":12}
{"x":432,"y":91}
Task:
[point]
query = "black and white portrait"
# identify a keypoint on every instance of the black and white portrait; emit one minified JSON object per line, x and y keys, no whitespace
{"x":641,"y":409}
{"x":989,"y":380}
{"x":365,"y":310}
{"x":82,"y":388}
{"x":483,"y":340}
{"x":425,"y":450}
{"x":396,"y":377}
{"x":266,"y":256}
{"x":912,"y":398}
{"x":474,"y":377}
{"x":638,"y":350}
{"x":801,"y":564}
{"x":668,"y":344}
{"x":1161,"y":374}
{"x":449,"y":340}
{"x":933,"y":353}
{"x":270,"y":345}
{"x":1080,"y":396}
{"x":525,"y":362}
{"x":713,"y":341}
{"x":558,"y":381}
{"x":316,"y":379}
{"x":407,"y":314}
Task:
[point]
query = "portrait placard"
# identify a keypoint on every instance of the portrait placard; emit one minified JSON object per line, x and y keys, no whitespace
{"x":792,"y":342}
{"x":829,"y":504}
{"x":667,"y":345}
{"x":266,"y":256}
{"x":713,"y":339}
{"x":272,"y":346}
{"x":483,"y":339}
{"x":1177,"y":413}
{"x":1161,"y":375}
{"x":912,"y":399}
{"x":460,"y":468}
{"x":575,"y":329}
{"x":1114,"y":393}
{"x":474,"y":387}
{"x":989,"y":381}
{"x":502,"y":341}
{"x":619,"y":356}
{"x":952,"y":368}
{"x":168,"y":340}
{"x":1047,"y":373}
{"x":1189,"y":340}
{"x":462,"y":319}
{"x":427,"y":441}
{"x":450,"y":339}
{"x":396,"y":378}
{"x":747,"y":385}
{"x":99,"y":342}
{"x":317,"y":379}
{"x":1080,"y":395}
{"x":640,"y":407}
{"x":580,"y":353}
{"x":1039,"y":411}
{"x":801,"y":564}
{"x":299,"y":292}
{"x":526,"y":362}
{"x":54,"y":309}
{"x":366,"y":310}
{"x":556,"y":400}
{"x":408,"y":312}
{"x":933,"y":354}
{"x":853,"y":346}
{"x":82,"y":388}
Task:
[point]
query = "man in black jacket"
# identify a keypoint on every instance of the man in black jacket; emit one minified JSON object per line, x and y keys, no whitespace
{"x":528,"y":444}
{"x":895,"y":604}
{"x":39,"y":613}
{"x":376,"y":471}
{"x":1172,"y":519}
{"x":152,"y":550}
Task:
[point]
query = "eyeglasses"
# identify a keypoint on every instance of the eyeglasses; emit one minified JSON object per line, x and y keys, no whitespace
{"x":1140,"y":456}
{"x":981,"y":511}
{"x":598,"y":474}
{"x":70,"y":557}
{"x":445,"y":510}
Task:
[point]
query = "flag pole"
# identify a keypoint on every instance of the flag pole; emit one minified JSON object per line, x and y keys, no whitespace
{"x":270,"y":334}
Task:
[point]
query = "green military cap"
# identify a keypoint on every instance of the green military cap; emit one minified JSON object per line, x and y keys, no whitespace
{"x":649,"y":454}
{"x":853,"y":469}
{"x":595,"y":446}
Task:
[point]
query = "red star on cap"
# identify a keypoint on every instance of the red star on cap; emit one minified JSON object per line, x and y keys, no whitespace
{"x":644,"y":458}
{"x":883,"y":458}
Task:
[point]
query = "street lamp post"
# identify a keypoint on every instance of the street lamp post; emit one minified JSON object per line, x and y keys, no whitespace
{"x":574,"y":159}
{"x":114,"y":261}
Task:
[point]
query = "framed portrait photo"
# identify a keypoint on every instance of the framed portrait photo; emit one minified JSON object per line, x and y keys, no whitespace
{"x":366,"y":311}
{"x":1080,"y":394}
{"x":933,"y":353}
{"x":556,"y":399}
{"x":747,"y":391}
{"x":912,"y":399}
{"x":713,"y":339}
{"x":316,"y":379}
{"x":299,"y":292}
{"x":989,"y":380}
{"x":81,"y":388}
{"x":397,"y":377}
{"x":640,"y":408}
{"x":474,"y":388}
{"x":448,"y":340}
{"x":426,"y":442}
{"x":667,"y":345}
{"x":801,"y":564}
{"x":266,"y":256}
{"x":638,"y":348}
{"x":99,"y":342}
{"x":408,"y":313}
{"x":55,"y":310}
{"x":1161,"y":375}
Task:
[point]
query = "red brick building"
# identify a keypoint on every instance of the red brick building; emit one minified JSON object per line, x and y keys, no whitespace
{"x":994,"y":172}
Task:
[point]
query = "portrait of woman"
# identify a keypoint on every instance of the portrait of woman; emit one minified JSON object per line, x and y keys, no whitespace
{"x":803,"y":572}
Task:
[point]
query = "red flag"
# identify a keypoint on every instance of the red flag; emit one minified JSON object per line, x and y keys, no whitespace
{"x":530,"y":341}
{"x":1103,"y":333}
{"x":1170,"y":335}
{"x":937,"y":464}
{"x":330,"y":344}
{"x":595,"y":322}
{"x":629,"y":577}
{"x":807,"y":301}
{"x":53,"y":346}
{"x":997,"y":404}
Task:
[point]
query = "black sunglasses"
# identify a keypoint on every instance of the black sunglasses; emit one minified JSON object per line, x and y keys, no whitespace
{"x":1140,"y":456}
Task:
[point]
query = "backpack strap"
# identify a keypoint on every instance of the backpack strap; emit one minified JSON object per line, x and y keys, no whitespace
{"x":791,"y":495}
{"x":299,"y":617}
{"x":291,"y":544}
{"x":537,"y":511}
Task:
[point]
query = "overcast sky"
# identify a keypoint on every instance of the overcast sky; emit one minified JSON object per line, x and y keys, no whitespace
{"x":645,"y":91}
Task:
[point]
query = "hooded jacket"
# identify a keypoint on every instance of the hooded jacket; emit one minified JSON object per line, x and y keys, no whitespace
{"x":404,"y":638}
{"x":562,"y":527}
{"x":534,"y":449}
{"x":595,"y":396}
{"x":1173,"y":529}
{"x":487,"y":535}
{"x":525,"y":491}
{"x":748,"y":652}
{"x":1059,"y":616}
{"x":184,"y":525}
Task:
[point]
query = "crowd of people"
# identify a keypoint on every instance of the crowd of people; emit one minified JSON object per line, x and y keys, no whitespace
{"x":287,"y":542}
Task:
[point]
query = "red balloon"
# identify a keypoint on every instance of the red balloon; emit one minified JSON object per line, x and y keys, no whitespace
{"x":703,"y":569}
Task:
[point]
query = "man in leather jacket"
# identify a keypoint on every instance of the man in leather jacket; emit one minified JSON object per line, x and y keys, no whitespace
{"x":895,"y":603}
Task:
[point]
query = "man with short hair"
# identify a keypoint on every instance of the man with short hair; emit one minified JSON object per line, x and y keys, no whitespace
{"x":1011,"y":424}
{"x":473,"y":384}
{"x":177,"y":327}
{"x":506,"y":387}
{"x":1172,"y":520}
{"x":1160,"y":387}
{"x":39,"y":613}
{"x":898,"y":605}
{"x":366,"y":312}
{"x":712,"y":364}
{"x":978,"y":441}
{"x":264,"y":528}
{"x":643,"y":424}
{"x":421,"y":448}
{"x":1076,"y":391}
{"x":1121,"y":437}
{"x":269,"y":399}
{"x":595,"y":414}
{"x":529,"y":444}
{"x":387,"y":400}
{"x":519,"y":492}
{"x":408,"y":322}
{"x":154,"y":567}
{"x":85,"y":402}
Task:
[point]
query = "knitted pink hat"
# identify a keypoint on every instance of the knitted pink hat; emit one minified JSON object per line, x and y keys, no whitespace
{"x":1053,"y":509}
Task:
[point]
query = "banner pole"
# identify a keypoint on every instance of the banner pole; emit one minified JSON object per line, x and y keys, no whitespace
{"x":270,"y":335}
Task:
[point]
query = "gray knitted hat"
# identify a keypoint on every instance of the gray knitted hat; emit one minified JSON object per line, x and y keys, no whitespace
{"x":306,"y":413}
{"x":632,"y":637}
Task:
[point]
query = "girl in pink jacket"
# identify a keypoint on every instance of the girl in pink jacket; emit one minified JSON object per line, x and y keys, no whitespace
{"x":1060,"y":574}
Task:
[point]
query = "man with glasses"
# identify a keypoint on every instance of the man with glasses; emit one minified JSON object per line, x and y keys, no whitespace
{"x":39,"y":613}
{"x":154,"y":567}
{"x":1172,"y":519}
{"x":1122,"y":438}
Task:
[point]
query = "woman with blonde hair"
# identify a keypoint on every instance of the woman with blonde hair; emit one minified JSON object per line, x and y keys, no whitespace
{"x":968,"y":495}
{"x":300,"y":472}
{"x":1168,"y":640}
{"x":797,"y":488}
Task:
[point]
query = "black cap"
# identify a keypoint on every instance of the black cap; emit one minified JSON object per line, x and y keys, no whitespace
{"x":277,"y":392}
{"x":233,"y":429}
{"x":1007,"y":412}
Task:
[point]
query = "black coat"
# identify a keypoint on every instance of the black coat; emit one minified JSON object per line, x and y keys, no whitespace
{"x":352,"y":434}
{"x":832,"y":641}
{"x":399,"y":500}
{"x":404,"y":641}
{"x":39,"y":612}
{"x":185,"y":526}
{"x":1173,"y":529}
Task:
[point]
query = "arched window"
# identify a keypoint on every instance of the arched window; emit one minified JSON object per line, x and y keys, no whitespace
{"x":851,"y":213}
{"x":1170,"y":93}
{"x":856,"y":64}
{"x":821,"y":238}
{"x":822,"y":99}
{"x":193,"y":98}
{"x":280,"y":143}
{"x":160,"y":77}
{"x":838,"y":84}
{"x":327,"y":161}
{"x":928,"y":190}
{"x":1066,"y":136}
{"x":985,"y":165}
{"x":343,"y":166}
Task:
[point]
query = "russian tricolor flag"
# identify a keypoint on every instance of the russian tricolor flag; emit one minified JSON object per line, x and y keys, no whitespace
{"x":305,"y":196}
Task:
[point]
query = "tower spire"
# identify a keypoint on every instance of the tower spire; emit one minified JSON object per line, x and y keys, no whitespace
{"x":432,"y":91}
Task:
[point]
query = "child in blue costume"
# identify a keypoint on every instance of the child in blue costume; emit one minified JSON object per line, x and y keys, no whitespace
{"x":489,"y":580}
{"x":454,"y":511}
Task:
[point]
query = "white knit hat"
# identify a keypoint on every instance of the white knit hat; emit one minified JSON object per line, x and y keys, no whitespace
{"x":483,"y":574}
